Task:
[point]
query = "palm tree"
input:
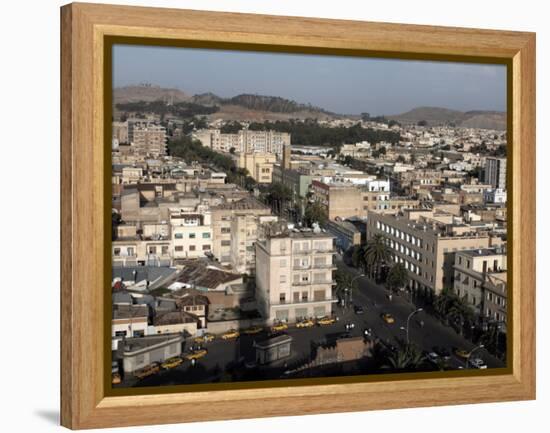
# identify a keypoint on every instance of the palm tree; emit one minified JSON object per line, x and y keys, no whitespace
{"x":406,"y":358}
{"x":397,"y":277}
{"x":343,"y":283}
{"x":377,"y":253}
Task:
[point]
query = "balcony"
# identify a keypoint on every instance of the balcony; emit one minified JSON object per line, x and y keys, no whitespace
{"x":291,"y":303}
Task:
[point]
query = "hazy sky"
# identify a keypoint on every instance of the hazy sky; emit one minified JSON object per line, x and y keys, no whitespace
{"x":341,"y":84}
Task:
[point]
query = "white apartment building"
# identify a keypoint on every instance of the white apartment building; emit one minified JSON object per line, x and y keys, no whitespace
{"x":294,"y":276}
{"x":191,"y":232}
{"x":244,"y":141}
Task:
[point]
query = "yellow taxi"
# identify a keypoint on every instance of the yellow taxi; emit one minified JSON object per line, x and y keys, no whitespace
{"x":206,"y":338}
{"x":149,"y":370}
{"x":279,"y":327}
{"x":253,"y":330}
{"x":388,"y":318}
{"x":326,"y":321}
{"x":230,"y":335}
{"x":305,"y":323}
{"x":196,"y":354}
{"x":171,"y":362}
{"x":115,"y":380}
{"x":462,"y":353}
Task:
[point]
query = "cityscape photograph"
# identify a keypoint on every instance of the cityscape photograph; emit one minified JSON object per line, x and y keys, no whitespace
{"x":291,"y":216}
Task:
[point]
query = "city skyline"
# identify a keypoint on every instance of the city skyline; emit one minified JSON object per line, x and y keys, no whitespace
{"x":328,"y":82}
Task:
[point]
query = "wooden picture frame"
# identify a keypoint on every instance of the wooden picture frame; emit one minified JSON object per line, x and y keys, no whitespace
{"x":85,"y":400}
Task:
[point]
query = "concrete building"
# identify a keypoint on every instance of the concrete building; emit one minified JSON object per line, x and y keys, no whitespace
{"x":294,"y":276}
{"x":259,"y":165}
{"x":150,"y":140}
{"x":244,"y":141}
{"x":480,"y":278}
{"x":129,"y":321}
{"x":426,"y":247}
{"x":191,"y":233}
{"x":345,"y":233}
{"x":495,"y":172}
{"x":222,"y":217}
{"x":140,"y":352}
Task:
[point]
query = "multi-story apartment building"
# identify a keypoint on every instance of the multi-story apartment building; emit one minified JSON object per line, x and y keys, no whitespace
{"x":246,"y":230}
{"x":222,"y":217}
{"x":150,"y":140}
{"x":480,"y":278}
{"x":346,"y":200}
{"x":426,"y":247}
{"x":495,"y":172}
{"x":294,"y":276}
{"x":244,"y":141}
{"x":191,"y":233}
{"x":259,"y":165}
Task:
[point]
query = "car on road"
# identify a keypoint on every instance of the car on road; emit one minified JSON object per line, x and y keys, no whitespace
{"x":326,"y":321}
{"x":462,"y":353}
{"x":477,"y":363}
{"x":230,"y":335}
{"x":171,"y":362}
{"x":278,"y":327}
{"x":115,"y":379}
{"x":388,"y":318}
{"x":196,"y":354}
{"x":307,"y":323}
{"x":433,"y":357}
{"x":442,"y":352}
{"x":253,"y":330}
{"x":358,"y":309}
{"x":147,"y":371}
{"x":206,"y":338}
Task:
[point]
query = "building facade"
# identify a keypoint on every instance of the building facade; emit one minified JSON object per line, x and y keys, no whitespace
{"x":294,"y":276}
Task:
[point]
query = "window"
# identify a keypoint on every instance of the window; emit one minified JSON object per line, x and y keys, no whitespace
{"x":206,"y":235}
{"x":192,"y":235}
{"x":304,"y":296}
{"x":152,"y":250}
{"x":225,"y":243}
{"x":282,"y":278}
{"x":178,"y":248}
{"x":165,"y":249}
{"x":206,"y":247}
{"x":130,"y":251}
{"x":117,"y":252}
{"x":178,"y":236}
{"x":282,"y":298}
{"x":226,"y":230}
{"x":192,"y":247}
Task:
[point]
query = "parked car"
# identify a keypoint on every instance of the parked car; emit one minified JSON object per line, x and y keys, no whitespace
{"x":279,"y":327}
{"x":388,"y":318}
{"x":148,"y":370}
{"x":253,"y":330}
{"x":171,"y":362}
{"x":359,"y":309}
{"x":477,"y":363}
{"x":444,"y":353}
{"x":326,"y":321}
{"x":230,"y":335}
{"x":196,"y":354}
{"x":307,"y":323}
{"x":206,"y":338}
{"x":462,"y":353}
{"x":433,"y":357}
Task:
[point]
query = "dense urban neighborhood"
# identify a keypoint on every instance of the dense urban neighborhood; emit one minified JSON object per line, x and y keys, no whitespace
{"x":259,"y":247}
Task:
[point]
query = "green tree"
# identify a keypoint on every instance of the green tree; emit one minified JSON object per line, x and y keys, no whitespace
{"x":405,"y":358}
{"x":314,"y":213}
{"x":397,"y":277}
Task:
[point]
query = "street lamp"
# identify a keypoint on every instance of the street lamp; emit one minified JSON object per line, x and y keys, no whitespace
{"x":418,"y":310}
{"x":351,"y":286}
{"x":481,"y":346}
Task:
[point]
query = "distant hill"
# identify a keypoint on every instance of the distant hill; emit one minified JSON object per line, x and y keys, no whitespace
{"x":240,"y":107}
{"x":443,"y":116}
{"x":148,"y":93}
